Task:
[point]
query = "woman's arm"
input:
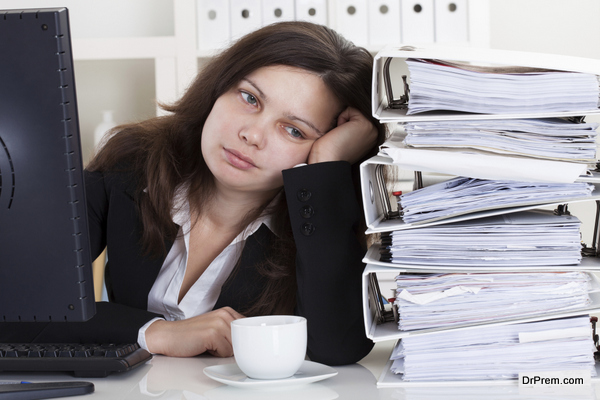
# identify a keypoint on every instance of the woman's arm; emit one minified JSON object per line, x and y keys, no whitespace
{"x":324,"y":214}
{"x":209,"y":332}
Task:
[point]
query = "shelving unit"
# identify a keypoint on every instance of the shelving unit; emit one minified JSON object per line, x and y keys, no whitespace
{"x":175,"y":60}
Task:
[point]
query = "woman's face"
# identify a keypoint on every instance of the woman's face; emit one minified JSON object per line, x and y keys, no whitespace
{"x":268,"y":122}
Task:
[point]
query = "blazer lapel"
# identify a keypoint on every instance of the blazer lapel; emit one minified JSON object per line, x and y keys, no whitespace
{"x":245,"y":284}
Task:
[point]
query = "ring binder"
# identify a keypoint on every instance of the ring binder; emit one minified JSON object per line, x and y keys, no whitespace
{"x":402,"y":102}
{"x":388,"y":213}
{"x":594,"y":251}
{"x":382,"y":315}
{"x":595,"y":337}
{"x":383,"y":195}
{"x":389,"y":109}
{"x":562,"y":209}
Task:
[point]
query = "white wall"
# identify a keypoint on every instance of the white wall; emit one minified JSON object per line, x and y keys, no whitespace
{"x":547,"y":26}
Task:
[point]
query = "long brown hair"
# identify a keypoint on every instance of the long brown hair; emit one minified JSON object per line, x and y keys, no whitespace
{"x":165,"y":151}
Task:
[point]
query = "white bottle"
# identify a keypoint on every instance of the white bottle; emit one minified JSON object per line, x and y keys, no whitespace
{"x":103,"y":127}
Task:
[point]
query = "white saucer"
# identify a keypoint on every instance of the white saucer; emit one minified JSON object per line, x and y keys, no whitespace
{"x":230,"y":374}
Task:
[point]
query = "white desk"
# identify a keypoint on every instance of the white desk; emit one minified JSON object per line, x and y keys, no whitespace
{"x":183,"y":379}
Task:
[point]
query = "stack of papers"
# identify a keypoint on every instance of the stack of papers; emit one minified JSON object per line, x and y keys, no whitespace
{"x":428,"y":301}
{"x":528,"y":238}
{"x":440,"y":85}
{"x":551,"y":138}
{"x":466,"y":195}
{"x":497,"y":352}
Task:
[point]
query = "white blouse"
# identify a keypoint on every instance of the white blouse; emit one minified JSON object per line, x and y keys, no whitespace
{"x":203,"y":295}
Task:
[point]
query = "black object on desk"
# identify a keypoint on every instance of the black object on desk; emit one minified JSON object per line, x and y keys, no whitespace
{"x":45,"y":390}
{"x":45,"y":264}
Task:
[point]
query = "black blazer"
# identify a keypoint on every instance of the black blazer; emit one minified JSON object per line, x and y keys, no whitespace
{"x":324,"y":213}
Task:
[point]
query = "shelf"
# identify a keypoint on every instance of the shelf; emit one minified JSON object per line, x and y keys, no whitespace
{"x":124,"y":48}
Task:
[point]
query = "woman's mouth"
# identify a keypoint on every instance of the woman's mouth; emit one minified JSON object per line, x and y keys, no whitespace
{"x":239,"y":160}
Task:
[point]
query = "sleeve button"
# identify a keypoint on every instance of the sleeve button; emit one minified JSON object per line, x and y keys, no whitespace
{"x":303,"y":195}
{"x":307,"y":229}
{"x":307,"y":211}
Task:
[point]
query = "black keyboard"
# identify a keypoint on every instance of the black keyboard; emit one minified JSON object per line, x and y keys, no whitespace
{"x":82,"y":360}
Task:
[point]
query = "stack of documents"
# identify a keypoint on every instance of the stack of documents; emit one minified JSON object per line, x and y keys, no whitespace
{"x":550,"y":138}
{"x":428,"y":301}
{"x":507,"y":131}
{"x":441,"y":85}
{"x":466,"y":195}
{"x":528,"y":238}
{"x":497,"y":352}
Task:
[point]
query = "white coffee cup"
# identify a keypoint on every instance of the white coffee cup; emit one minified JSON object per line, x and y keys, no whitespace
{"x":269,"y":347}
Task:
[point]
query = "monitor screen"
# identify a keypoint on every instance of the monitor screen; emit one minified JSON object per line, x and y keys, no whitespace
{"x":45,"y":261}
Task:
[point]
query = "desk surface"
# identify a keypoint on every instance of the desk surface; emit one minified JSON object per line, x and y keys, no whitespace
{"x":183,"y":379}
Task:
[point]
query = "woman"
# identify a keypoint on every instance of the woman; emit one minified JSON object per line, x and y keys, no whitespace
{"x":207,"y":216}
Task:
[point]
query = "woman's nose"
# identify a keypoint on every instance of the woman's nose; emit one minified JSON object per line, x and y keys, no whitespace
{"x":254,"y":134}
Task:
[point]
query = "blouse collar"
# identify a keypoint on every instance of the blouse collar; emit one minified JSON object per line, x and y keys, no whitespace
{"x":181,"y":214}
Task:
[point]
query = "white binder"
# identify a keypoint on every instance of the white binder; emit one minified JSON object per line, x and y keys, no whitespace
{"x":418,"y":21}
{"x":397,"y":54}
{"x":384,"y":22}
{"x":451,"y":21}
{"x":377,"y":207}
{"x":351,"y":20}
{"x":378,"y":332}
{"x":213,"y":25}
{"x":312,"y":11}
{"x":245,"y":17}
{"x":277,"y":11}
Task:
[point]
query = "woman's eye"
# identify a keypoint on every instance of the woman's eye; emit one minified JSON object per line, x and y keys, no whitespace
{"x":250,"y":99}
{"x":293,"y":132}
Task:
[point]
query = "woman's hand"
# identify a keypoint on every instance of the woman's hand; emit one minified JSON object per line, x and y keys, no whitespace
{"x":352,"y":139}
{"x":210,"y":332}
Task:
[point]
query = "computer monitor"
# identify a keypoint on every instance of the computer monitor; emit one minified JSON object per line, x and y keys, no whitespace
{"x":45,"y":261}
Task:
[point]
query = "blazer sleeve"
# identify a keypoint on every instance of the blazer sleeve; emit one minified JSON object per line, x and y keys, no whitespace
{"x":325,"y":215}
{"x":112,"y":323}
